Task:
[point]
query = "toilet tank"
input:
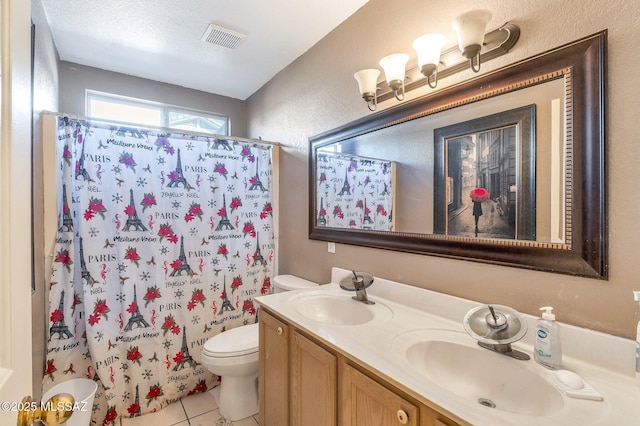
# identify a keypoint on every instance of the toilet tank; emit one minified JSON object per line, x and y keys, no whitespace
{"x":290,"y":282}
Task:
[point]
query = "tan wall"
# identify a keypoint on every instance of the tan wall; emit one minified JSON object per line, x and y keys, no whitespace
{"x":317,"y":93}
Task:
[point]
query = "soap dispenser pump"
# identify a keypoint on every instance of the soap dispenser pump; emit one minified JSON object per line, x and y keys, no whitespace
{"x":547,"y":349}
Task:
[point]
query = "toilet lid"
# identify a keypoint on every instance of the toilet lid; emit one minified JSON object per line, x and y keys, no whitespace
{"x":291,"y":282}
{"x":235,"y":342}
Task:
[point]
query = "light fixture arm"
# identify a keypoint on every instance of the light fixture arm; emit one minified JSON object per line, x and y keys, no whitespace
{"x":496,"y":43}
{"x":435,"y":79}
{"x":477,"y":58}
{"x":369,"y":96}
{"x":429,"y":70}
{"x":399,"y":90}
{"x":372,"y":102}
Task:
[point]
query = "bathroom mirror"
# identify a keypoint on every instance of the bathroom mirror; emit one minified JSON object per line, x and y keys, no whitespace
{"x":527,"y":138}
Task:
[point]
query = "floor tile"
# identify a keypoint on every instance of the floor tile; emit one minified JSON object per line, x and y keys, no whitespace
{"x":213,"y":418}
{"x":169,"y":416}
{"x":197,"y":404}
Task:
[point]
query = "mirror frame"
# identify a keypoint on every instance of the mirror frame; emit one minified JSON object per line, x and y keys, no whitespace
{"x":582,"y":64}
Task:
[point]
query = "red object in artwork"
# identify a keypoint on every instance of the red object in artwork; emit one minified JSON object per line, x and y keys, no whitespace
{"x":478,"y":195}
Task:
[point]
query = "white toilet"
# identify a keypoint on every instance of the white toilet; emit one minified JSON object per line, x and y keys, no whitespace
{"x":233,"y":355}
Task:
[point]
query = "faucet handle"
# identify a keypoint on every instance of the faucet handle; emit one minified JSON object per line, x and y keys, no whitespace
{"x":496,"y":320}
{"x":495,"y":324}
{"x":359,"y":281}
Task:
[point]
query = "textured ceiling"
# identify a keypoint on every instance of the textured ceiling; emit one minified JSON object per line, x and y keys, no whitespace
{"x":160,"y":39}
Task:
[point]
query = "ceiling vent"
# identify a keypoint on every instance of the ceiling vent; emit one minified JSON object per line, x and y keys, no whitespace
{"x":221,"y":36}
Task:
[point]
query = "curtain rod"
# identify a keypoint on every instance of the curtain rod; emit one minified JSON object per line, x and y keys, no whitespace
{"x":157,"y":128}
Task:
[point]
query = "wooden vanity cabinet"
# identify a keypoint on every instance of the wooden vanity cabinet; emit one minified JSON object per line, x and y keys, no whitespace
{"x":273,"y":376}
{"x":313,"y":383}
{"x":306,"y":382}
{"x":365,"y":402}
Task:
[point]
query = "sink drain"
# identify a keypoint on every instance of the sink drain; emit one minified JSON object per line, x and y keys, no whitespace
{"x":486,"y":402}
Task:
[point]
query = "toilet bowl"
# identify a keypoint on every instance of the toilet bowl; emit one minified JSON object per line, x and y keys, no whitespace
{"x":233,"y":355}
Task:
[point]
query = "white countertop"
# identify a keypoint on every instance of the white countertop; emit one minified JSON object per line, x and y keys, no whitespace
{"x":603,"y":361}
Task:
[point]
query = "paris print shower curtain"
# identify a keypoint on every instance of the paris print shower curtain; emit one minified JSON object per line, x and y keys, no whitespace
{"x":164,"y":239}
{"x":355,"y":192}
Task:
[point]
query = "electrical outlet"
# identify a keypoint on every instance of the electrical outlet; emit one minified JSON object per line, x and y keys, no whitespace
{"x":331,"y":247}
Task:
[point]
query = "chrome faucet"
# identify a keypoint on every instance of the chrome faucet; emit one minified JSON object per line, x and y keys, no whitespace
{"x":358,"y":283}
{"x":496,"y":329}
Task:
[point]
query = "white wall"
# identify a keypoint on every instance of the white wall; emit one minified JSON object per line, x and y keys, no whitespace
{"x":317,"y":93}
{"x":15,"y":205}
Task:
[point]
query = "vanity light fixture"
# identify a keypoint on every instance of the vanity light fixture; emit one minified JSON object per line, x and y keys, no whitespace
{"x":470,"y":28}
{"x":474,"y":46}
{"x":429,"y":47}
{"x":394,"y":66}
{"x":368,"y":85}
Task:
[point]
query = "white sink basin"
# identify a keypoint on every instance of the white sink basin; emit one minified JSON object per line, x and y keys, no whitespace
{"x":338,"y":309}
{"x":453,"y":361}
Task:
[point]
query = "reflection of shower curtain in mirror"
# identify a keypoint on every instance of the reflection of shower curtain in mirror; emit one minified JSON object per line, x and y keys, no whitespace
{"x":164,"y":240}
{"x":354,"y":192}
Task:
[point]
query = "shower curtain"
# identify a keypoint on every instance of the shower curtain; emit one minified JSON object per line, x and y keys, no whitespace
{"x":355,"y":192}
{"x":164,"y":239}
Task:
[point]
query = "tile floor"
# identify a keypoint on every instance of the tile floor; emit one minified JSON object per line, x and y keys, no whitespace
{"x":195,"y":410}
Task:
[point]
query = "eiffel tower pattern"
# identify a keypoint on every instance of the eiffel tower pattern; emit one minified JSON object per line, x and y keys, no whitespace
{"x":322,"y":219}
{"x":85,"y":274}
{"x":224,"y":222}
{"x":133,"y":221}
{"x":385,"y":190}
{"x":367,"y":218}
{"x":81,"y":171}
{"x":256,"y":183}
{"x":59,"y":328}
{"x":138,"y":413}
{"x":346,"y":188}
{"x":226,"y":303}
{"x":179,"y":179}
{"x":63,"y":122}
{"x":136,"y":319}
{"x":184,"y":266}
{"x":187,"y":360}
{"x":258,"y":259}
{"x":67,"y":220}
{"x":222,"y":144}
{"x":129,"y":131}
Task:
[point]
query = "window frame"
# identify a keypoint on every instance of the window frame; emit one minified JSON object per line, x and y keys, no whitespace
{"x":164,"y":108}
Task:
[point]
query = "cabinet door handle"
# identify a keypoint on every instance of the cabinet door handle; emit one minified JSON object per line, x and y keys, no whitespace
{"x":279,"y":331}
{"x":403,"y":418}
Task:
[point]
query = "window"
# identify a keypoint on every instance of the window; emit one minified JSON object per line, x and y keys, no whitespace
{"x":130,"y":110}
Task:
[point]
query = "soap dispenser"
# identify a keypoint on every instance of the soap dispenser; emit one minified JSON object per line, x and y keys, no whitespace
{"x":547,"y":349}
{"x":636,"y":296}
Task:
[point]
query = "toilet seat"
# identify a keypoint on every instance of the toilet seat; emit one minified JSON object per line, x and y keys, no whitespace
{"x":236,"y":342}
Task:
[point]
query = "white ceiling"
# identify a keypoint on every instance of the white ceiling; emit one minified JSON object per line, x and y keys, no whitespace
{"x":160,"y":39}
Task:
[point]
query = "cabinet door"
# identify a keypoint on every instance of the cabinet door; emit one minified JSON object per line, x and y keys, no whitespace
{"x":364,"y":402}
{"x":430,"y":417}
{"x":313,"y":384}
{"x":273,"y":381}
